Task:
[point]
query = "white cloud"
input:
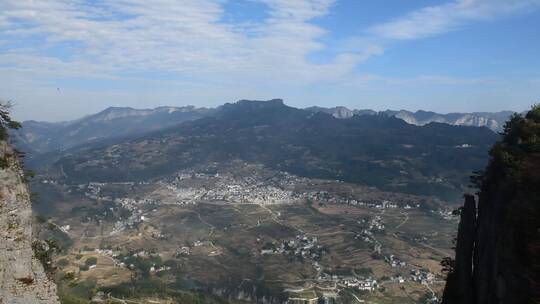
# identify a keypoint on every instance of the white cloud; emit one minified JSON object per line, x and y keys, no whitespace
{"x":433,"y":20}
{"x":189,"y":38}
{"x":186,"y":50}
{"x":298,"y":10}
{"x":186,"y":38}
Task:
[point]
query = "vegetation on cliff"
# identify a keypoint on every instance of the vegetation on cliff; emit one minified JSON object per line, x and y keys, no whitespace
{"x":5,"y":119}
{"x":506,"y":229}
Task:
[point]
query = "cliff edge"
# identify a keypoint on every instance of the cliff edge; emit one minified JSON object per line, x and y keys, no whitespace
{"x":498,"y":247}
{"x":22,"y":277}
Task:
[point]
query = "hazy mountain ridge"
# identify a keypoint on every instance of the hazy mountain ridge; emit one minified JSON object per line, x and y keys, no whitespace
{"x":117,"y":122}
{"x":369,"y":149}
{"x":110,"y":123}
{"x":493,"y":120}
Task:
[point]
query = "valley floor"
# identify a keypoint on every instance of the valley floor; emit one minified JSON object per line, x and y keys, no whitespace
{"x":244,"y":233}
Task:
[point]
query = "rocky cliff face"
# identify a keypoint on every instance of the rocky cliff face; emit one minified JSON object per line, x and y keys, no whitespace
{"x":493,"y":121}
{"x":22,"y":278}
{"x":503,"y":238}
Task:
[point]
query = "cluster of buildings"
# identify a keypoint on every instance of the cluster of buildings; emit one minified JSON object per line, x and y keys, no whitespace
{"x":358,"y":283}
{"x":191,"y":186}
{"x":372,"y":225}
{"x":394,"y":261}
{"x":155,"y":269}
{"x":445,"y":214}
{"x":135,"y":218}
{"x":375,"y":223}
{"x":183,"y":251}
{"x":92,"y":190}
{"x":302,"y":245}
{"x":326,"y":197}
{"x":368,"y":284}
{"x":123,"y":260}
{"x":422,"y":276}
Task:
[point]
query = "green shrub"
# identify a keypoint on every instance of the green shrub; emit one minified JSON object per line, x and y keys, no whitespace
{"x":3,"y":162}
{"x":84,"y":267}
{"x":70,"y":276}
{"x":63,"y":262}
{"x":90,"y":261}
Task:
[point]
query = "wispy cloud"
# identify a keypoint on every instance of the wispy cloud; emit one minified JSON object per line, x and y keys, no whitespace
{"x":189,"y":47}
{"x":187,"y":38}
{"x":190,"y":38}
{"x":434,"y":20}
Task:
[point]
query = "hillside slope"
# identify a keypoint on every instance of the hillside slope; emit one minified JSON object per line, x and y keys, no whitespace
{"x":41,"y":137}
{"x":376,"y":150}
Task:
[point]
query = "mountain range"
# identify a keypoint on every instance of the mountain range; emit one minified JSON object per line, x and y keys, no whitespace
{"x":376,"y":150}
{"x":121,"y":122}
{"x":493,"y":120}
{"x":113,"y":122}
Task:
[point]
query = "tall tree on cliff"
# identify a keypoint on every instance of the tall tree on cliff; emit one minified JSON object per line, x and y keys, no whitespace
{"x":5,"y":119}
{"x":505,"y":249}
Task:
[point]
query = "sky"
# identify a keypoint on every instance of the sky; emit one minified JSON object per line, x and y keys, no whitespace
{"x":60,"y":60}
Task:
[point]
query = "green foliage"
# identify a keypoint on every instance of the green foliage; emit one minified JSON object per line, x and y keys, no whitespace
{"x":4,"y":162}
{"x":14,"y":125}
{"x":76,"y":292}
{"x":508,"y":211}
{"x":90,"y":261}
{"x":70,"y":276}
{"x":144,"y":287}
{"x":28,"y":174}
{"x":41,"y":219}
{"x":44,"y":251}
{"x":364,"y":271}
{"x":62,"y":262}
{"x":5,"y":119}
{"x":511,"y":157}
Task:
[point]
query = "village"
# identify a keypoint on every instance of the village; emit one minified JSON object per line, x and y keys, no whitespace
{"x":191,"y":187}
{"x":137,"y":206}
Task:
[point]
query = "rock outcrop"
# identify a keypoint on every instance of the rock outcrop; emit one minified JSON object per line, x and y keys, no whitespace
{"x":503,"y":239}
{"x":22,"y":277}
{"x":494,"y":121}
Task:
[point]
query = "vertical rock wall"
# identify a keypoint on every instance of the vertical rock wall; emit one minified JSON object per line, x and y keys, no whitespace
{"x":503,"y":239}
{"x":22,"y":278}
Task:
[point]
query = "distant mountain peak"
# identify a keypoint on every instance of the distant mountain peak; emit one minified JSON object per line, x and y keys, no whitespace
{"x":260,"y":103}
{"x":109,"y":123}
{"x":494,"y":121}
{"x":118,"y":112}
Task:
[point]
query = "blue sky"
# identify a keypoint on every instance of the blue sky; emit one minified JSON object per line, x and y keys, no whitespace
{"x":60,"y":60}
